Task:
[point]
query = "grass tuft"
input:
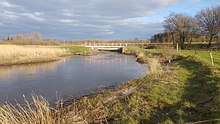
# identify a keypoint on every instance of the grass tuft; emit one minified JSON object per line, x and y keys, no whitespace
{"x":37,"y":112}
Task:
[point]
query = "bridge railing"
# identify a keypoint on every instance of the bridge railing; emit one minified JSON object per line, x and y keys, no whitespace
{"x":120,"y":44}
{"x":112,"y":44}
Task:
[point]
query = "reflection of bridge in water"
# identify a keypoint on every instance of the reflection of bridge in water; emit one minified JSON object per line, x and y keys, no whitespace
{"x":115,"y":46}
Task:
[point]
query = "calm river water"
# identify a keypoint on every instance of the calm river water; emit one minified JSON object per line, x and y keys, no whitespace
{"x":70,"y":76}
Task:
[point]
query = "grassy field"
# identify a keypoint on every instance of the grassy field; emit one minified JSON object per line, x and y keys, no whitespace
{"x":13,"y":54}
{"x":199,"y":93}
{"x":201,"y":55}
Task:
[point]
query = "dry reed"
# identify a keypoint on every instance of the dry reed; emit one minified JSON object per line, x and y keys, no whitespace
{"x":154,"y":66}
{"x":12,"y":54}
{"x":37,"y":112}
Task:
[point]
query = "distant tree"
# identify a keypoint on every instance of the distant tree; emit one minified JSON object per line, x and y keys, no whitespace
{"x":36,"y":36}
{"x":8,"y":38}
{"x":181,"y":24}
{"x":209,"y":21}
{"x":19,"y":37}
{"x":163,"y":37}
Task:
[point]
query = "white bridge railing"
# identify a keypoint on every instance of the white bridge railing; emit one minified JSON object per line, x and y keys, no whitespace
{"x":112,"y":44}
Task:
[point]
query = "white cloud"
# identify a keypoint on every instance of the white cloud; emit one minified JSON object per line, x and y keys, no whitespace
{"x":7,"y":5}
{"x":11,"y":17}
{"x":68,"y":21}
{"x":67,"y":14}
{"x":110,"y":32}
{"x":8,"y":15}
{"x":139,"y":21}
{"x":121,"y":8}
{"x":100,"y":19}
{"x":13,"y":13}
{"x":33,"y":16}
{"x":131,"y":8}
{"x":38,"y":13}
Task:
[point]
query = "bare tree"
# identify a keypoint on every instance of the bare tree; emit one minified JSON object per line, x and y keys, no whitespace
{"x":209,"y":21}
{"x":36,"y":36}
{"x":194,"y":29}
{"x":19,"y":37}
{"x":181,"y":24}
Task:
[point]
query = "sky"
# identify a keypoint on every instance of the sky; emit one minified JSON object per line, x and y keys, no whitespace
{"x":92,"y":19}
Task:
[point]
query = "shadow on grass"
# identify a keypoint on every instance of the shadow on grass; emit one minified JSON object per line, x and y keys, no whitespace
{"x":200,"y":99}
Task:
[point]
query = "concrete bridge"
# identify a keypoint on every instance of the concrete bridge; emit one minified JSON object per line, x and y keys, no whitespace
{"x":110,"y":46}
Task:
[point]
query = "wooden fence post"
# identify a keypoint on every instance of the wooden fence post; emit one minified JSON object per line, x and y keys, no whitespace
{"x":212,"y":59}
{"x":177,"y":47}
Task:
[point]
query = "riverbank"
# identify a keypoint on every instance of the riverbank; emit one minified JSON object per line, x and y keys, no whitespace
{"x":14,"y":54}
{"x":79,"y":50}
{"x":181,"y":87}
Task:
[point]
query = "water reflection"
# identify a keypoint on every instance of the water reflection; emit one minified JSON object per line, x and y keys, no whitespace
{"x":9,"y":72}
{"x":71,"y":76}
{"x":103,"y":60}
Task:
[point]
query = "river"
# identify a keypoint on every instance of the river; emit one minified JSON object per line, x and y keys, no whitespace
{"x":71,"y":76}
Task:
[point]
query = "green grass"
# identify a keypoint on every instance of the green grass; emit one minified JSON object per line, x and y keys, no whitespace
{"x":187,"y":93}
{"x":201,"y":55}
{"x":196,"y":45}
{"x":79,"y":50}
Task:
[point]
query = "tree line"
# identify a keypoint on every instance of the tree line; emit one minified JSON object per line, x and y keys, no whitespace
{"x":27,"y":36}
{"x":179,"y":27}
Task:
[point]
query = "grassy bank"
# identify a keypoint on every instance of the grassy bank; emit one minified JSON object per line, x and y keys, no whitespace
{"x":13,"y":54}
{"x":183,"y":90}
{"x":186,"y":90}
{"x":201,"y":55}
{"x":78,"y":50}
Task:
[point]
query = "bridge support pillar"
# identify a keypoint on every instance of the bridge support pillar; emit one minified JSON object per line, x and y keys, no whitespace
{"x":123,"y":49}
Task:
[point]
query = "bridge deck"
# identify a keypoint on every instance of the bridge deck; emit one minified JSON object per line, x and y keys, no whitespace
{"x":105,"y":46}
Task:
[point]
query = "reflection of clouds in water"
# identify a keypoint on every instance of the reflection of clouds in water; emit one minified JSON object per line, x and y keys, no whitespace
{"x":8,"y":72}
{"x":75,"y":75}
{"x":109,"y":59}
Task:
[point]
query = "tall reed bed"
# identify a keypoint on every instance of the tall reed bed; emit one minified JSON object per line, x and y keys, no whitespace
{"x":37,"y":111}
{"x":12,"y":54}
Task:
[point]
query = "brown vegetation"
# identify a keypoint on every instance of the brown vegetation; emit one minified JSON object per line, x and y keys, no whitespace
{"x":37,"y":112}
{"x":12,"y":54}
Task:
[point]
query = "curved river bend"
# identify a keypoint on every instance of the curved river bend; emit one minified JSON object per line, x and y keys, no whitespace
{"x":71,"y":76}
